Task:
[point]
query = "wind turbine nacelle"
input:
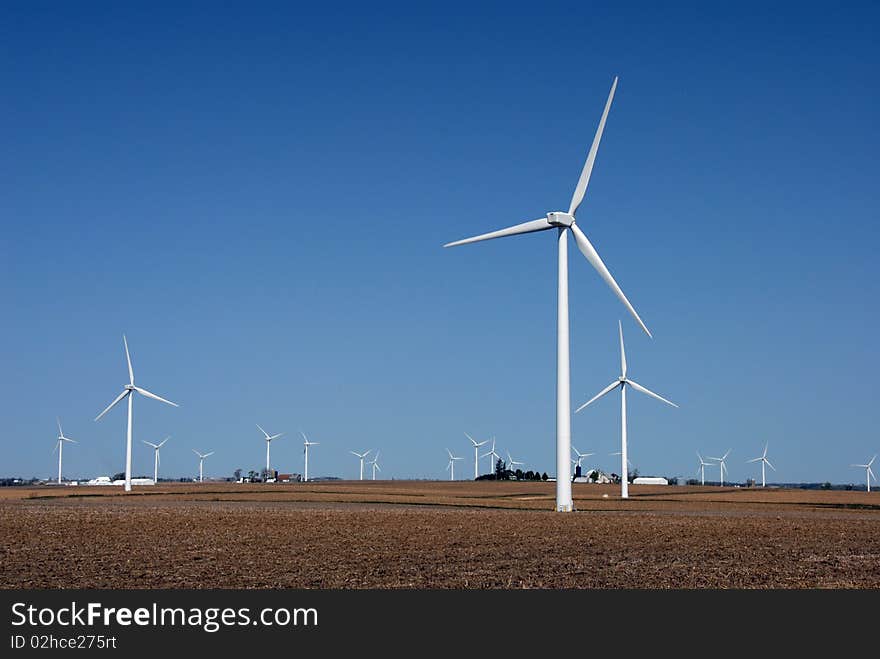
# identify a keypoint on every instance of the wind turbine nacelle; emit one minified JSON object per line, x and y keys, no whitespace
{"x":560,"y":219}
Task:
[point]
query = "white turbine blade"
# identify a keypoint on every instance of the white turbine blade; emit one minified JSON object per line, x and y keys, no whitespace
{"x":584,"y":180}
{"x":450,"y":453}
{"x":871,"y":474}
{"x":149,"y":394}
{"x":269,"y":439}
{"x":124,"y":393}
{"x":128,"y":359}
{"x":150,"y":443}
{"x":754,"y":460}
{"x":207,"y":454}
{"x":262,"y":431}
{"x":638,"y":387}
{"x":595,"y":260}
{"x":353,"y":453}
{"x":872,"y":461}
{"x":197,"y":453}
{"x":162,"y":443}
{"x":610,"y":387}
{"x":475,"y":443}
{"x":766,"y":446}
{"x":378,"y":468}
{"x":726,"y":454}
{"x":622,"y":350}
{"x":60,"y":431}
{"x":526,"y":227}
{"x":55,"y":447}
{"x":769,"y":465}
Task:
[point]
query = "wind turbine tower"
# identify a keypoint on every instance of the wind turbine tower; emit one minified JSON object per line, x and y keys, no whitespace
{"x":60,"y":446}
{"x":156,"y":448}
{"x":565,"y":223}
{"x":477,"y":446}
{"x":623,"y":382}
{"x":128,"y":390}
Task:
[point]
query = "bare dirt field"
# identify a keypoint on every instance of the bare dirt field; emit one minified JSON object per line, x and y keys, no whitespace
{"x":420,"y":534}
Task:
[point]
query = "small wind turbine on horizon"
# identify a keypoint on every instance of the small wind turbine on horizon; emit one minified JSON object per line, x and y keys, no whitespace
{"x":868,"y":473}
{"x":564,"y":223}
{"x":306,"y":445}
{"x":450,"y":466}
{"x":764,"y":463}
{"x":269,"y":439}
{"x":361,"y":456}
{"x":703,"y":465}
{"x":722,"y":464}
{"x":201,"y":462}
{"x":60,"y":446}
{"x":128,"y":391}
{"x":477,"y":446}
{"x":622,"y":382}
{"x":374,"y":463}
{"x":156,"y":448}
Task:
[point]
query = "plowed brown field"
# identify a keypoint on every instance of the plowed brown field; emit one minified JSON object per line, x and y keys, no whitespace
{"x":411,"y":534}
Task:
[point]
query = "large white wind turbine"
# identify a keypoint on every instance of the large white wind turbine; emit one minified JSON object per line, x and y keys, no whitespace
{"x":60,"y":446}
{"x":306,"y":445}
{"x":156,"y":448}
{"x":361,"y":456}
{"x":128,"y":391}
{"x":565,"y":222}
{"x":201,"y":461}
{"x":477,"y":446}
{"x":703,"y":465}
{"x":868,"y":473}
{"x":764,"y":463}
{"x":374,"y":463}
{"x":269,"y":439}
{"x":722,"y":464}
{"x":622,"y":382}
{"x":450,"y":466}
{"x":493,"y":456}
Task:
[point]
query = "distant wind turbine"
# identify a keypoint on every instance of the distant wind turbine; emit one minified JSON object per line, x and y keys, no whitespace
{"x":202,"y":457}
{"x":306,"y":445}
{"x":703,"y":465}
{"x":511,"y":462}
{"x":564,"y":222}
{"x":269,"y":439}
{"x":623,"y":382}
{"x":580,"y":456}
{"x":60,"y":446}
{"x":374,"y":463}
{"x":361,"y":456}
{"x":722,"y":464}
{"x":477,"y":446}
{"x":450,"y":466}
{"x":128,"y":391}
{"x":156,"y":448}
{"x":868,"y":473}
{"x":493,"y":456}
{"x":764,"y":463}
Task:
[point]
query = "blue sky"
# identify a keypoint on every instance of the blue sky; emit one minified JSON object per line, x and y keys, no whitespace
{"x":258,"y":195}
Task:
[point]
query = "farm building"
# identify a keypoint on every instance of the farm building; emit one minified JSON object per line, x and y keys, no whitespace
{"x":650,"y":480}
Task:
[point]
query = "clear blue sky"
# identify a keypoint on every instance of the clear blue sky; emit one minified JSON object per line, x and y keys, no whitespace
{"x":258,"y":196}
